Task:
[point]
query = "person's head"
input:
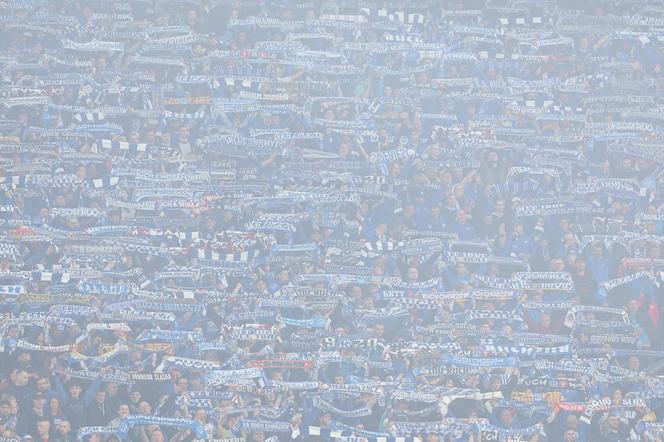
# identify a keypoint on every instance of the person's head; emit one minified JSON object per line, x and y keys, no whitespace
{"x":38,"y":402}
{"x":563,"y":224}
{"x":570,"y":436}
{"x":413,"y":274}
{"x":200,"y":415}
{"x":634,"y":363}
{"x":60,"y":200}
{"x":569,"y":239}
{"x":54,"y":405}
{"x":65,"y":427}
{"x":144,"y":408}
{"x":460,"y":216}
{"x":75,"y":390}
{"x":597,"y":251}
{"x":135,"y":396}
{"x":134,"y":137}
{"x":616,"y":396}
{"x":473,"y":380}
{"x":356,"y":292}
{"x":580,"y":265}
{"x":344,"y":150}
{"x":13,"y":403}
{"x":613,"y":421}
{"x":572,"y":421}
{"x":166,"y":138}
{"x":258,"y":436}
{"x":183,"y":384}
{"x":157,"y":436}
{"x":23,"y":116}
{"x":499,"y":206}
{"x":557,"y":265}
{"x":101,"y":63}
{"x":326,"y":420}
{"x":632,"y":306}
{"x":183,"y":133}
{"x":22,"y":378}
{"x":339,"y":379}
{"x":43,"y":385}
{"x":460,"y":268}
{"x":43,"y":427}
{"x":12,"y":332}
{"x":123,"y":410}
{"x":506,"y":417}
{"x":260,"y":285}
{"x":381,"y":229}
{"x":112,"y":388}
{"x":654,"y":251}
{"x":5,"y":408}
{"x":151,"y":136}
{"x":517,"y":229}
{"x":546,"y":320}
{"x":100,"y":397}
{"x":114,"y":216}
{"x":230,"y":420}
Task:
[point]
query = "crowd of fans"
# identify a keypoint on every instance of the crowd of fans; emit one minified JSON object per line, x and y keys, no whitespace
{"x":331,"y":220}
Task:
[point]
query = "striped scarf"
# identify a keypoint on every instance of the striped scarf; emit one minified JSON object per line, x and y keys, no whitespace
{"x":245,"y":256}
{"x":133,"y":148}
